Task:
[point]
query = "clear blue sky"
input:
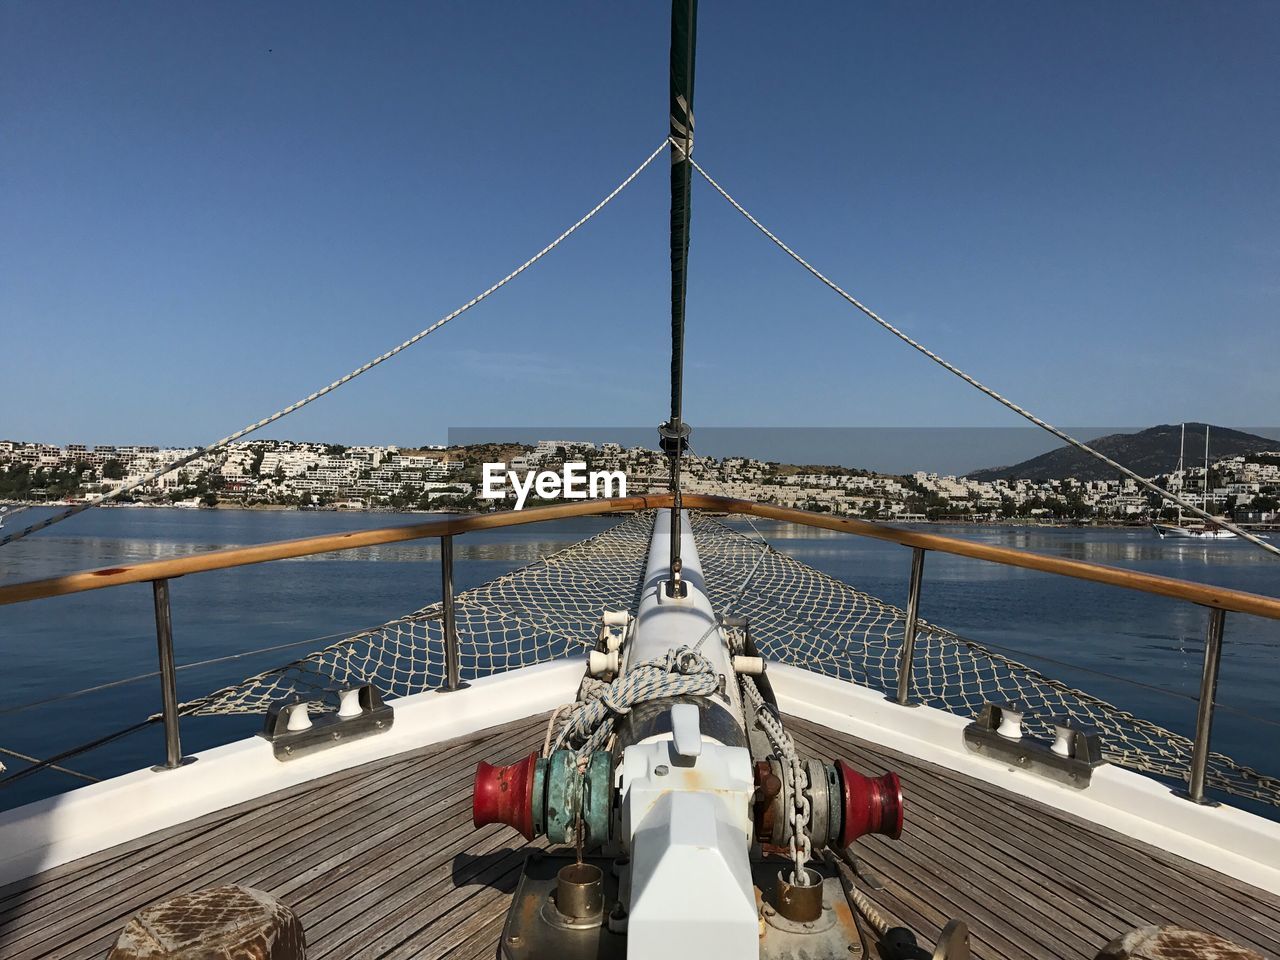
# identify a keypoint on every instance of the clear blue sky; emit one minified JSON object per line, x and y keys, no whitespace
{"x":208,"y":210}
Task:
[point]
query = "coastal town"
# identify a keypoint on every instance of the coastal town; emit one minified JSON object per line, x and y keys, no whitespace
{"x":308,"y":475}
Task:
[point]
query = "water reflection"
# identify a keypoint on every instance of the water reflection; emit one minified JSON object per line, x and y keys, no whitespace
{"x":127,"y":536}
{"x":522,"y":552}
{"x":1123,"y":546}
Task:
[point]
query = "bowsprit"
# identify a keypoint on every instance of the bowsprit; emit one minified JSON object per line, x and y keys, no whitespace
{"x":695,"y":827}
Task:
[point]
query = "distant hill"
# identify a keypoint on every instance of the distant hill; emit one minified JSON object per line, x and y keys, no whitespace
{"x":1147,"y":453}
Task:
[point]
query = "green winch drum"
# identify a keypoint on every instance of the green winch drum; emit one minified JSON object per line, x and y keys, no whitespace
{"x":569,"y":795}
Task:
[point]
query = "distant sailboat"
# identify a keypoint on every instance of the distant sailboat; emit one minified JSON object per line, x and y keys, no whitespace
{"x":1180,"y":531}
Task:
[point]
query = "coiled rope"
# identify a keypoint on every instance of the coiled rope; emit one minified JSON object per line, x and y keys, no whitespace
{"x":310,"y":398}
{"x":952,"y":368}
{"x":590,"y":722}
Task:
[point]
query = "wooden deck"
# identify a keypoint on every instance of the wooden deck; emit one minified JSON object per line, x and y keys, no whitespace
{"x":382,"y":862}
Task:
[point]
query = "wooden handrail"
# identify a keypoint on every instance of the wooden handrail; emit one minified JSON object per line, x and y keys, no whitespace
{"x":310,"y":546}
{"x":1223,"y":598}
{"x":1236,"y":601}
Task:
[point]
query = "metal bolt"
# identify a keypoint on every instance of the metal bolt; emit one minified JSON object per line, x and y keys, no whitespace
{"x":661,"y":770}
{"x":808,"y":925}
{"x":513,"y":939}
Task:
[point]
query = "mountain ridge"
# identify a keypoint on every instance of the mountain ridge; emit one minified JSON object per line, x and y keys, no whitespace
{"x":1148,"y":453}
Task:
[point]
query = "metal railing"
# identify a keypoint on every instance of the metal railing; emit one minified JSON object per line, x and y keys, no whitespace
{"x":1218,"y":600}
{"x":1204,"y":706}
{"x":907,"y":656}
{"x":168,"y":676}
{"x":169,"y":672}
{"x":452,"y":665}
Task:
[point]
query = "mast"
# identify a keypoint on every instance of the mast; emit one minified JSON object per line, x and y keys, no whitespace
{"x":1182,"y":477}
{"x":1205,"y":501}
{"x":674,"y":434}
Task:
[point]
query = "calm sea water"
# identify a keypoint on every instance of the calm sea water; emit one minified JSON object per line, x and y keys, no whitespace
{"x":1094,"y":637}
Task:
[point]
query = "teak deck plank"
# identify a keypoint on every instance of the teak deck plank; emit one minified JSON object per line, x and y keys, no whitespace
{"x":182,"y":857}
{"x":382,"y":862}
{"x":59,"y":882}
{"x":308,"y":816}
{"x":1085,"y":858}
{"x":1059,"y":853}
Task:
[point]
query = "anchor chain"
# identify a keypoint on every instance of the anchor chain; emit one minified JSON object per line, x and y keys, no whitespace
{"x":797,"y":777}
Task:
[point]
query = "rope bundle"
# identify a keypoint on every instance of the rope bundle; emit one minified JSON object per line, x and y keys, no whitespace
{"x":683,"y":671}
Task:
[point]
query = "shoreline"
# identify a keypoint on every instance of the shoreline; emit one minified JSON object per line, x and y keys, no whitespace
{"x":282,"y":508}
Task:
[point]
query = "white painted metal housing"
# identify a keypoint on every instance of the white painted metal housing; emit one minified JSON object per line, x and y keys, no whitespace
{"x":686,"y":799}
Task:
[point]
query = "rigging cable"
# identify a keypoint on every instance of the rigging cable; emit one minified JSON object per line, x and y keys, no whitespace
{"x":52,"y":766}
{"x":184,"y":708}
{"x":952,"y":368}
{"x":227,"y":658}
{"x":245,"y":431}
{"x":52,"y":762}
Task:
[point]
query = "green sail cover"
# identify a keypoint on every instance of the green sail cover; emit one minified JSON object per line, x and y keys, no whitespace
{"x":684,"y":28}
{"x":684,"y":25}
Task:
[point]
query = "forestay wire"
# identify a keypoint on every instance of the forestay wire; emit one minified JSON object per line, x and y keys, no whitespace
{"x":952,"y":368}
{"x":280,"y":414}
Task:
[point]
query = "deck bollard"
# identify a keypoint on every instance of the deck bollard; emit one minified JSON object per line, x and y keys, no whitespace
{"x":909,"y":637}
{"x":452,"y":668}
{"x":1204,"y":711}
{"x":168,"y":676}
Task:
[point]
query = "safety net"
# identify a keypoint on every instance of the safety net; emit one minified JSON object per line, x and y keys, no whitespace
{"x":796,"y":614}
